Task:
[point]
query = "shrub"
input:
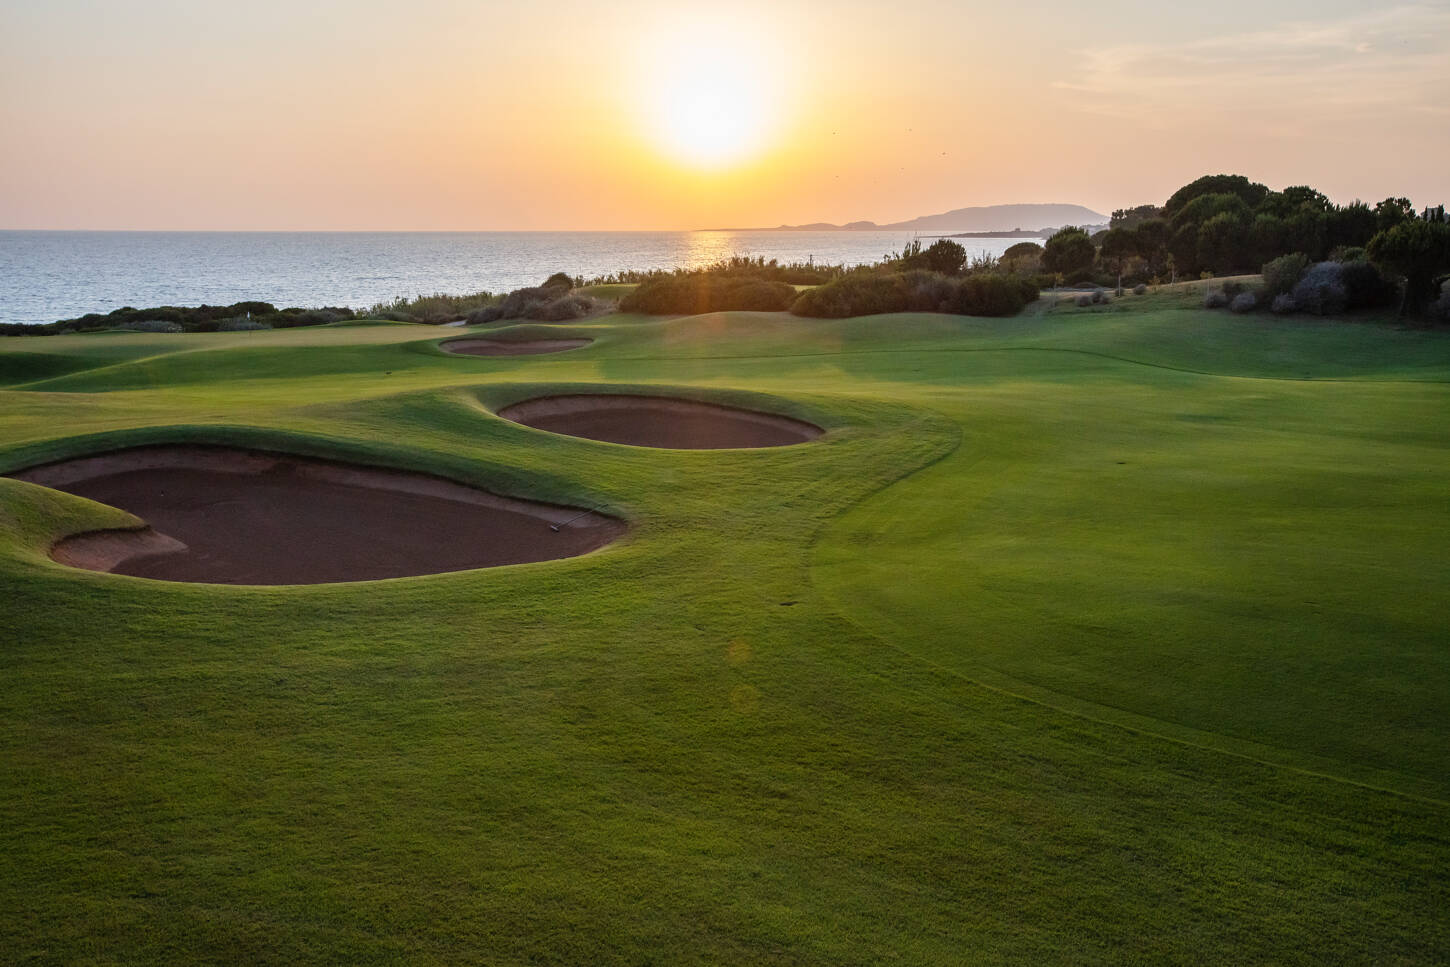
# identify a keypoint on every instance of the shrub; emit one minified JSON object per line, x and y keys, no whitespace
{"x":1322,"y":290}
{"x":693,"y":294}
{"x":1440,"y":308}
{"x":545,"y":303}
{"x":559,"y":280}
{"x":487,"y":314}
{"x":1140,"y":289}
{"x":1283,"y":304}
{"x":872,"y":293}
{"x":943,"y":256}
{"x":757,"y":267}
{"x":1098,"y":296}
{"x":436,"y":309}
{"x":1084,"y":300}
{"x":1244,"y":302}
{"x":252,"y":308}
{"x":928,"y":291}
{"x":241,"y":324}
{"x":153,"y":325}
{"x":1215,"y":300}
{"x":321,"y":317}
{"x":1283,"y":273}
{"x":566,"y":307}
{"x":520,"y":303}
{"x":129,"y":317}
{"x":857,"y":294}
{"x":993,"y":295}
{"x":1366,"y":286}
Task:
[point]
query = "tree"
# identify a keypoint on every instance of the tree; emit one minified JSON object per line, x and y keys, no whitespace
{"x":1391,"y":212}
{"x":1295,"y":199}
{"x":1268,"y":237}
{"x":1119,"y":245}
{"x":1351,"y":226}
{"x":944,"y":256}
{"x":1252,"y":193}
{"x":1069,"y":251}
{"x":1307,"y":231}
{"x":1419,"y":251}
{"x":1152,"y":243}
{"x":1133,"y":217}
{"x":1183,"y":249}
{"x":1205,"y":207}
{"x":1221,"y":242}
{"x":1023,"y":257}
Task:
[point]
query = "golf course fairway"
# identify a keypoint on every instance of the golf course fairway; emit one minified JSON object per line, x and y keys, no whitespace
{"x":1102,"y":635}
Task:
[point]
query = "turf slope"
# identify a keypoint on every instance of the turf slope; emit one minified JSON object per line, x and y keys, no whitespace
{"x":1089,"y":636}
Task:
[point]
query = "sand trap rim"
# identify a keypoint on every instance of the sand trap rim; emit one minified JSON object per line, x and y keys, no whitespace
{"x":58,"y":473}
{"x":490,"y":476}
{"x":462,"y":346}
{"x":494,"y":396}
{"x":103,"y":549}
{"x":516,"y":330}
{"x":749,"y":423}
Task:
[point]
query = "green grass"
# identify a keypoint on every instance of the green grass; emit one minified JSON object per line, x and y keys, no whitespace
{"x":1104,"y":635}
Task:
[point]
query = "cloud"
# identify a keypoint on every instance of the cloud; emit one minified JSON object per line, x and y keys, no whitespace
{"x":1293,"y":77}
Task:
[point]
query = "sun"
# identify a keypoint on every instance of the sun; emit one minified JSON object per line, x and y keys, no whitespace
{"x":711,"y":96}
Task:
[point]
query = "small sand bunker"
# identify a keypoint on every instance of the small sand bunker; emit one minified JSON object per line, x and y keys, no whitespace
{"x":481,"y":346}
{"x":226,"y":516}
{"x":659,"y":421}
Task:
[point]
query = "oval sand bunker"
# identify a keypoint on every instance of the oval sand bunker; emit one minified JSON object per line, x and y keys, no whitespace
{"x":481,"y":346}
{"x":227,"y":516}
{"x":659,"y":421}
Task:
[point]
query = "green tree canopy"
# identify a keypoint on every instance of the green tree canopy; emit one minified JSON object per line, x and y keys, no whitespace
{"x":1252,"y":193}
{"x":1069,"y":251}
{"x":944,"y":256}
{"x":1391,"y":212}
{"x":1133,"y":217}
{"x":1418,"y":250}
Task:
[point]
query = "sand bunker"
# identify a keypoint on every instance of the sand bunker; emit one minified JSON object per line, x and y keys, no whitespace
{"x":226,"y":516}
{"x":481,"y":346}
{"x":659,"y":421}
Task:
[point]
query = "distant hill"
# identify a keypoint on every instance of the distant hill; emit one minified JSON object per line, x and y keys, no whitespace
{"x":989,"y":218}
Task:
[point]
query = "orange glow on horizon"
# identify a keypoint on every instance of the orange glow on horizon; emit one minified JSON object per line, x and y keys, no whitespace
{"x":443,"y":115}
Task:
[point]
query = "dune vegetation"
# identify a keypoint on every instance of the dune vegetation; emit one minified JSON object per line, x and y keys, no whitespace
{"x":1103,"y":634}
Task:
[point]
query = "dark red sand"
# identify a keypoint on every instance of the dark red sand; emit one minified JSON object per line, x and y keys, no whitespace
{"x":659,"y":421}
{"x":511,"y":347}
{"x":243,"y":517}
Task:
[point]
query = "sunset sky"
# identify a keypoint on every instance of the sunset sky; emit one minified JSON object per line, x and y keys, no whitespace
{"x":439,"y":114}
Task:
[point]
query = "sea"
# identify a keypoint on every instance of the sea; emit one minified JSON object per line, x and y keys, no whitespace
{"x":49,"y":275}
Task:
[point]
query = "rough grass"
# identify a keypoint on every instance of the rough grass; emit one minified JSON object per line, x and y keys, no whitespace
{"x":952,"y":684}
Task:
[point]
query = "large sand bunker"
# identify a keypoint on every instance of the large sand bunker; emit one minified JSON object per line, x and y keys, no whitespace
{"x":482,"y":346}
{"x":659,"y":421}
{"x":227,"y":516}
